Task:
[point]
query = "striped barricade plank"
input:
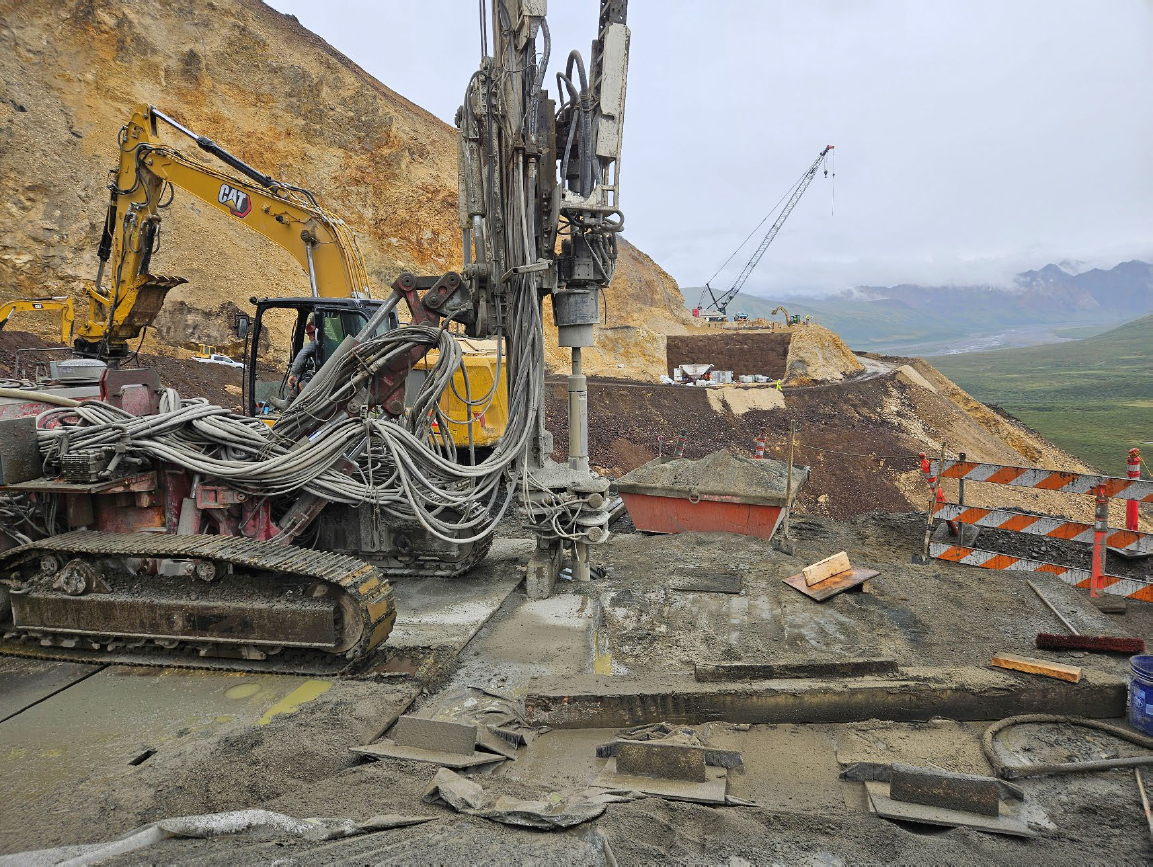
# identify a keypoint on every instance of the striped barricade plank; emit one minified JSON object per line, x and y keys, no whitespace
{"x":1128,"y":587}
{"x":1129,"y":541}
{"x":1046,"y":480}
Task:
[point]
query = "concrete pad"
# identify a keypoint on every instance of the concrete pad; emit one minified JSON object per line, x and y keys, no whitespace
{"x":668,"y":761}
{"x":555,"y":637}
{"x":437,"y":612}
{"x":917,"y":694}
{"x":24,"y":682}
{"x":434,"y":734}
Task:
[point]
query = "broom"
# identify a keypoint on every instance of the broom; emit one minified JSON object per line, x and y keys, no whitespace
{"x":1077,"y":641}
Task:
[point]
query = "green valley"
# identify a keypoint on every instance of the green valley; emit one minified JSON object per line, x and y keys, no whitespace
{"x":1092,"y":397}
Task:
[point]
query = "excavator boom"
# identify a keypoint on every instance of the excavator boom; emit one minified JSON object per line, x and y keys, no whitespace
{"x":287,"y":215}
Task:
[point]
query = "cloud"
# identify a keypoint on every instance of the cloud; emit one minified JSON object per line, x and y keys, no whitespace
{"x":973,"y":140}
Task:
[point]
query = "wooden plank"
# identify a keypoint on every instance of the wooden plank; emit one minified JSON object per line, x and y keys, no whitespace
{"x":831,"y":586}
{"x":827,"y":568}
{"x":1071,"y":673}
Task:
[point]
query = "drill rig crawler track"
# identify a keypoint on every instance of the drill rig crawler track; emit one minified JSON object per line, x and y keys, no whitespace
{"x":216,"y":602}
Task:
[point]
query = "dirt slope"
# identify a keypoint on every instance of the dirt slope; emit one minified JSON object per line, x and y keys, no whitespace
{"x":267,"y":89}
{"x":861,"y":436}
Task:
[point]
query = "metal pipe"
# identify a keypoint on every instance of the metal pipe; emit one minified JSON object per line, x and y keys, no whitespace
{"x":1132,"y":515}
{"x":789,"y":481}
{"x":311,"y":269}
{"x":578,"y":419}
{"x":1072,"y":629}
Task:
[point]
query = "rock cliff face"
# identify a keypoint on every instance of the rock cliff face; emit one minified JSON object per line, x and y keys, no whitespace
{"x":265,"y":88}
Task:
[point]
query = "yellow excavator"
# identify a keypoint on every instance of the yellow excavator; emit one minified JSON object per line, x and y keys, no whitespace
{"x":30,"y":305}
{"x":142,"y":186}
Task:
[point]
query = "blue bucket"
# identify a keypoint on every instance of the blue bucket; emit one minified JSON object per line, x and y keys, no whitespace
{"x":1141,"y":693}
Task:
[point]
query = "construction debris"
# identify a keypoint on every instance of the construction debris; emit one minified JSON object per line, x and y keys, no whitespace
{"x":827,"y":568}
{"x":233,"y":823}
{"x":882,"y":802}
{"x":830,"y":576}
{"x":549,"y":814}
{"x":934,"y":787}
{"x":438,"y":735}
{"x":1071,"y":673}
{"x":438,"y":742}
{"x":669,"y":735}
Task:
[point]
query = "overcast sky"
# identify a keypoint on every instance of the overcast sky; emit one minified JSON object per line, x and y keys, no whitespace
{"x":973,"y":139}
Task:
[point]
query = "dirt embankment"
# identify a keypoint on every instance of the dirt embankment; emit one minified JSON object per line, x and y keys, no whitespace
{"x":277,"y":96}
{"x":818,"y":355}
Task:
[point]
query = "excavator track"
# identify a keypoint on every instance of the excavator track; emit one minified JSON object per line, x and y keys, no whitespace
{"x":430,"y":568}
{"x":219,"y":602}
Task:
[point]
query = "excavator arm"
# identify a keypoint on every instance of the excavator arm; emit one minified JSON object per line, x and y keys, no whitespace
{"x":141,"y":189}
{"x":28,"y":305}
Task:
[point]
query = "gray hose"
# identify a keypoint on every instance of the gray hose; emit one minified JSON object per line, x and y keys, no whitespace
{"x":1013,"y":772}
{"x":42,"y":396}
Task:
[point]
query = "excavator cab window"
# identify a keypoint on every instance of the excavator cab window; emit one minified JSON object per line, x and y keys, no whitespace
{"x":268,"y":377}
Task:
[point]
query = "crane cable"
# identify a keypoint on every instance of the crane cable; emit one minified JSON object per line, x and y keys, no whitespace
{"x":788,"y":193}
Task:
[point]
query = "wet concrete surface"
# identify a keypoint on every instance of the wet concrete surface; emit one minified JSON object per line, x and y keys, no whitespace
{"x":630,"y":627}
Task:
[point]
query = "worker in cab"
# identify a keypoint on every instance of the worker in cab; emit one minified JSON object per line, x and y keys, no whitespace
{"x":303,"y":365}
{"x":305,"y":362}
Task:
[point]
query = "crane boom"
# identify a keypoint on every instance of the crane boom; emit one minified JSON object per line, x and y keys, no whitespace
{"x":722,"y":301}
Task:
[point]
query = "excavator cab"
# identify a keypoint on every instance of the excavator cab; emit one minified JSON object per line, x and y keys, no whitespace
{"x":266,"y":372}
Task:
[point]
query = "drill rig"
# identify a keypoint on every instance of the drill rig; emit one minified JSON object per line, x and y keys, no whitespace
{"x":172,"y":531}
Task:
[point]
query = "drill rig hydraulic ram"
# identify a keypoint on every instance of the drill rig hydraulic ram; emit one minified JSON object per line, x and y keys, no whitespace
{"x":167,"y":530}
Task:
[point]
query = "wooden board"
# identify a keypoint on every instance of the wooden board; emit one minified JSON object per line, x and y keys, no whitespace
{"x":884,"y":806}
{"x":831,"y":586}
{"x":827,"y":568}
{"x":1071,"y":673}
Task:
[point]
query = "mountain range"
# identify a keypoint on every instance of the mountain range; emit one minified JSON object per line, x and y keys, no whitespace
{"x":916,"y":319}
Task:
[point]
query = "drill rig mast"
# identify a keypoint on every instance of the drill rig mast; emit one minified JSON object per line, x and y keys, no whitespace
{"x":532,"y":170}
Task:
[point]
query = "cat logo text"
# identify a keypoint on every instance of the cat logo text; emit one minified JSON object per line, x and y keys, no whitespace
{"x":236,"y":200}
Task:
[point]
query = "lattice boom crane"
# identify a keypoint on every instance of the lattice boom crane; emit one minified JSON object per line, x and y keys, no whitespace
{"x":722,"y":301}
